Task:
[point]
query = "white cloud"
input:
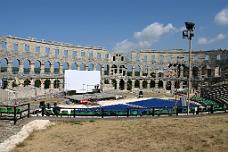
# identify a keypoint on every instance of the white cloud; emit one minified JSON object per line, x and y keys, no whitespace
{"x":204,"y":40}
{"x":145,"y":38}
{"x":222,"y":17}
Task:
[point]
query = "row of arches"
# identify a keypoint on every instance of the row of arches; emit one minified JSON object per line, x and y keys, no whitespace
{"x":145,"y":84}
{"x":46,"y":84}
{"x":126,"y":70}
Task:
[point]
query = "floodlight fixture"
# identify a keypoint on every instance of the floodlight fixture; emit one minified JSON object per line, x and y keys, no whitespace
{"x":190,"y":26}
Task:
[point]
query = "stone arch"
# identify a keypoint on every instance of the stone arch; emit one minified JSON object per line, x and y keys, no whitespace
{"x":47,"y":84}
{"x":56,"y":83}
{"x":177,"y":84}
{"x":121,"y":84}
{"x":15,"y":66}
{"x":129,"y":70}
{"x":152,"y":84}
{"x":26,"y":64}
{"x":137,"y":70}
{"x":168,"y":85}
{"x":153,"y":74}
{"x":137,"y":84}
{"x":4,"y":64}
{"x":98,"y":67}
{"x":37,"y":67}
{"x":90,"y":67}
{"x":65,"y":66}
{"x":37,"y":83}
{"x":106,"y":69}
{"x":195,"y":71}
{"x":129,"y":84}
{"x":144,"y":84}
{"x":145,"y":70}
{"x":74,"y":66}
{"x":47,"y":66}
{"x":114,"y":69}
{"x":82,"y":67}
{"x":27,"y":82}
{"x":114,"y":83}
{"x":56,"y":67}
{"x":122,"y":70}
{"x":160,"y":74}
{"x":160,"y":84}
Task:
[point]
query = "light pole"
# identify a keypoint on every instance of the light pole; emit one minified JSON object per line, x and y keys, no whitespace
{"x":188,"y":33}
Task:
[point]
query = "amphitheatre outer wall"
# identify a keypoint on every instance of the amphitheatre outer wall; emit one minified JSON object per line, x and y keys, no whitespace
{"x":36,"y":67}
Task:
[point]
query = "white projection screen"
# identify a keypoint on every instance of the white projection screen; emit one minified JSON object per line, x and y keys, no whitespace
{"x":81,"y":81}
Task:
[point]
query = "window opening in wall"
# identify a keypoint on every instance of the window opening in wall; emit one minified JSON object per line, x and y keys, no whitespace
{"x":37,"y":49}
{"x":82,"y":53}
{"x":74,"y":53}
{"x":98,"y":55}
{"x":56,"y":53}
{"x":106,"y":56}
{"x":90,"y":55}
{"x":65,"y":53}
{"x":15,"y":47}
{"x":3,"y":45}
{"x":47,"y":51}
{"x":145,"y":58}
{"x":114,"y":58}
{"x":27,"y":48}
{"x":122,"y":58}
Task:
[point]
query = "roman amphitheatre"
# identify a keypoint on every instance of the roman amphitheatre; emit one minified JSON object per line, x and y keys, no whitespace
{"x":32,"y":80}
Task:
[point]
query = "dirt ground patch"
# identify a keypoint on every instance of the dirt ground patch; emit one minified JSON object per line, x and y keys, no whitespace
{"x":207,"y":133}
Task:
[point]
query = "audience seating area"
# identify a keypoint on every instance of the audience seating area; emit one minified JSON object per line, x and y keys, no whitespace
{"x":216,"y":93}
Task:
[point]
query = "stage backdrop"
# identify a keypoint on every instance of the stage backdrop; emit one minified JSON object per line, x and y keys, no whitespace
{"x":81,"y":81}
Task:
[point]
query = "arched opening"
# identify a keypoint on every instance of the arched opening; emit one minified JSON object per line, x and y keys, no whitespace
{"x":106,"y":69}
{"x":129,"y":70}
{"x":47,"y":67}
{"x":144,"y":85}
{"x":74,"y":66}
{"x":82,"y":67}
{"x":121,"y":86}
{"x":160,"y":74}
{"x":114,"y":83}
{"x":129,"y":84}
{"x":152,"y":84}
{"x":56,"y":83}
{"x":177,"y":84}
{"x":27,"y":82}
{"x":113,"y":69}
{"x":56,"y":67}
{"x":65,"y":66}
{"x":137,"y":70}
{"x":153,"y":74}
{"x":3,"y":65}
{"x":90,"y":67}
{"x":136,"y":83}
{"x":37,"y":83}
{"x":145,"y":71}
{"x":160,"y":84}
{"x":27,"y":67}
{"x":47,"y":84}
{"x":195,"y":71}
{"x":15,"y":66}
{"x":98,"y":67}
{"x":106,"y":81}
{"x":122,"y":70}
{"x":37,"y":67}
{"x":168,"y":85}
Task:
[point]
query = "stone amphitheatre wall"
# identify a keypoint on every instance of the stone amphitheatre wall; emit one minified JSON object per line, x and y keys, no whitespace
{"x":35,"y":67}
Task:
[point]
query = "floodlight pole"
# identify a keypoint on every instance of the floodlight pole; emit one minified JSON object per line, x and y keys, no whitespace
{"x":190,"y":73}
{"x":188,"y":33}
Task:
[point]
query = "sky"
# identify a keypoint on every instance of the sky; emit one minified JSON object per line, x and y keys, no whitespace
{"x":119,"y":25}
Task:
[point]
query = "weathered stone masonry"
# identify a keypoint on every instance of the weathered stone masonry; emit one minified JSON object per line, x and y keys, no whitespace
{"x":41,"y":64}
